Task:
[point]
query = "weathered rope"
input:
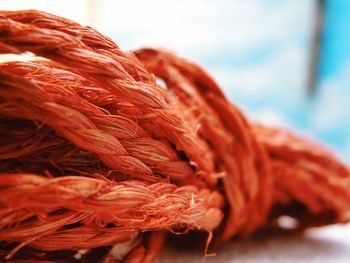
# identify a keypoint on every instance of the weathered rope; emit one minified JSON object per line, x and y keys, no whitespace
{"x":96,"y":157}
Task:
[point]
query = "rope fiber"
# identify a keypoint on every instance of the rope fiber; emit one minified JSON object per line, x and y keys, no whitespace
{"x":98,"y":162}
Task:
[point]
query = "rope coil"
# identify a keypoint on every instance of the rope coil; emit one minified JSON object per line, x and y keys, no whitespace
{"x":95,"y":155}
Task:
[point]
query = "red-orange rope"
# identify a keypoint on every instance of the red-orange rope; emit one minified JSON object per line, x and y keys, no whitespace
{"x":95,"y":157}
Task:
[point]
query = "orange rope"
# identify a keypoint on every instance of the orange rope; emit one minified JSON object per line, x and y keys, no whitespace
{"x":94,"y":154}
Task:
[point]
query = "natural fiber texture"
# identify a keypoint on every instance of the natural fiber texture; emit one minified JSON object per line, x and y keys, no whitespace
{"x":98,"y":161}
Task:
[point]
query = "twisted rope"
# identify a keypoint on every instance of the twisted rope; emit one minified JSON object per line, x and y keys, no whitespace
{"x":95,"y":157}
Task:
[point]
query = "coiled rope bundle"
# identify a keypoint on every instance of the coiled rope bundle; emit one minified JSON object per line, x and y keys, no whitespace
{"x":96,"y":157}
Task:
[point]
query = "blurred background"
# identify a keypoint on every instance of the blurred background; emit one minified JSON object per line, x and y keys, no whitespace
{"x":284,"y":62}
